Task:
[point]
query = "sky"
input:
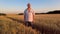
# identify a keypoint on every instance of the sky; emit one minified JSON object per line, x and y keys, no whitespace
{"x":18,"y":6}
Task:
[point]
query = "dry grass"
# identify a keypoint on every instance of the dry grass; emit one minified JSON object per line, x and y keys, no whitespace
{"x":49,"y":23}
{"x":8,"y":26}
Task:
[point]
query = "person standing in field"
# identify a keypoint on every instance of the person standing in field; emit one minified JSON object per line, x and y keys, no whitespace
{"x":29,"y":15}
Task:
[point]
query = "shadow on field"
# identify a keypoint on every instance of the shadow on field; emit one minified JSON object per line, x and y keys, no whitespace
{"x":42,"y":29}
{"x":20,"y":21}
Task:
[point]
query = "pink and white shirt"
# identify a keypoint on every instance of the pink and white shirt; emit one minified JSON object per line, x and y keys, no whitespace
{"x":29,"y":15}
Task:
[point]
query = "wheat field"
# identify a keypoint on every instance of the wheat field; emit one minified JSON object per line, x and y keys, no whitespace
{"x":44,"y":24}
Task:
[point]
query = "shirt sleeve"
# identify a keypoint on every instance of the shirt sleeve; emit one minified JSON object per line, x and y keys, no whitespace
{"x":24,"y":14}
{"x":33,"y":12}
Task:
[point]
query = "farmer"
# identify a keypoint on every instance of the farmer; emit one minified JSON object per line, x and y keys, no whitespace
{"x":29,"y":15}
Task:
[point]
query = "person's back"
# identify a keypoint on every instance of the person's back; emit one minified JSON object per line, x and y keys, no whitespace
{"x":28,"y":15}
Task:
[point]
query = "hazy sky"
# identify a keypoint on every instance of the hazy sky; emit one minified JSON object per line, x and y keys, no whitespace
{"x":17,"y":6}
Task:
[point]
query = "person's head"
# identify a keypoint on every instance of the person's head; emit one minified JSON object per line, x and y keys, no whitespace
{"x":29,"y":5}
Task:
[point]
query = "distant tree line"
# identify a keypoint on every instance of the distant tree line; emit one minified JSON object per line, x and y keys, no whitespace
{"x":20,"y":14}
{"x":54,"y":12}
{"x":50,"y":12}
{"x":2,"y":14}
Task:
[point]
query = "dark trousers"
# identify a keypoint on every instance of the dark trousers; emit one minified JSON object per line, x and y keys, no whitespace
{"x":27,"y":23}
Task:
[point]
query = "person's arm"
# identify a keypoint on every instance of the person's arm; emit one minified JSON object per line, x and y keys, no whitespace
{"x":33,"y":15}
{"x":24,"y":15}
